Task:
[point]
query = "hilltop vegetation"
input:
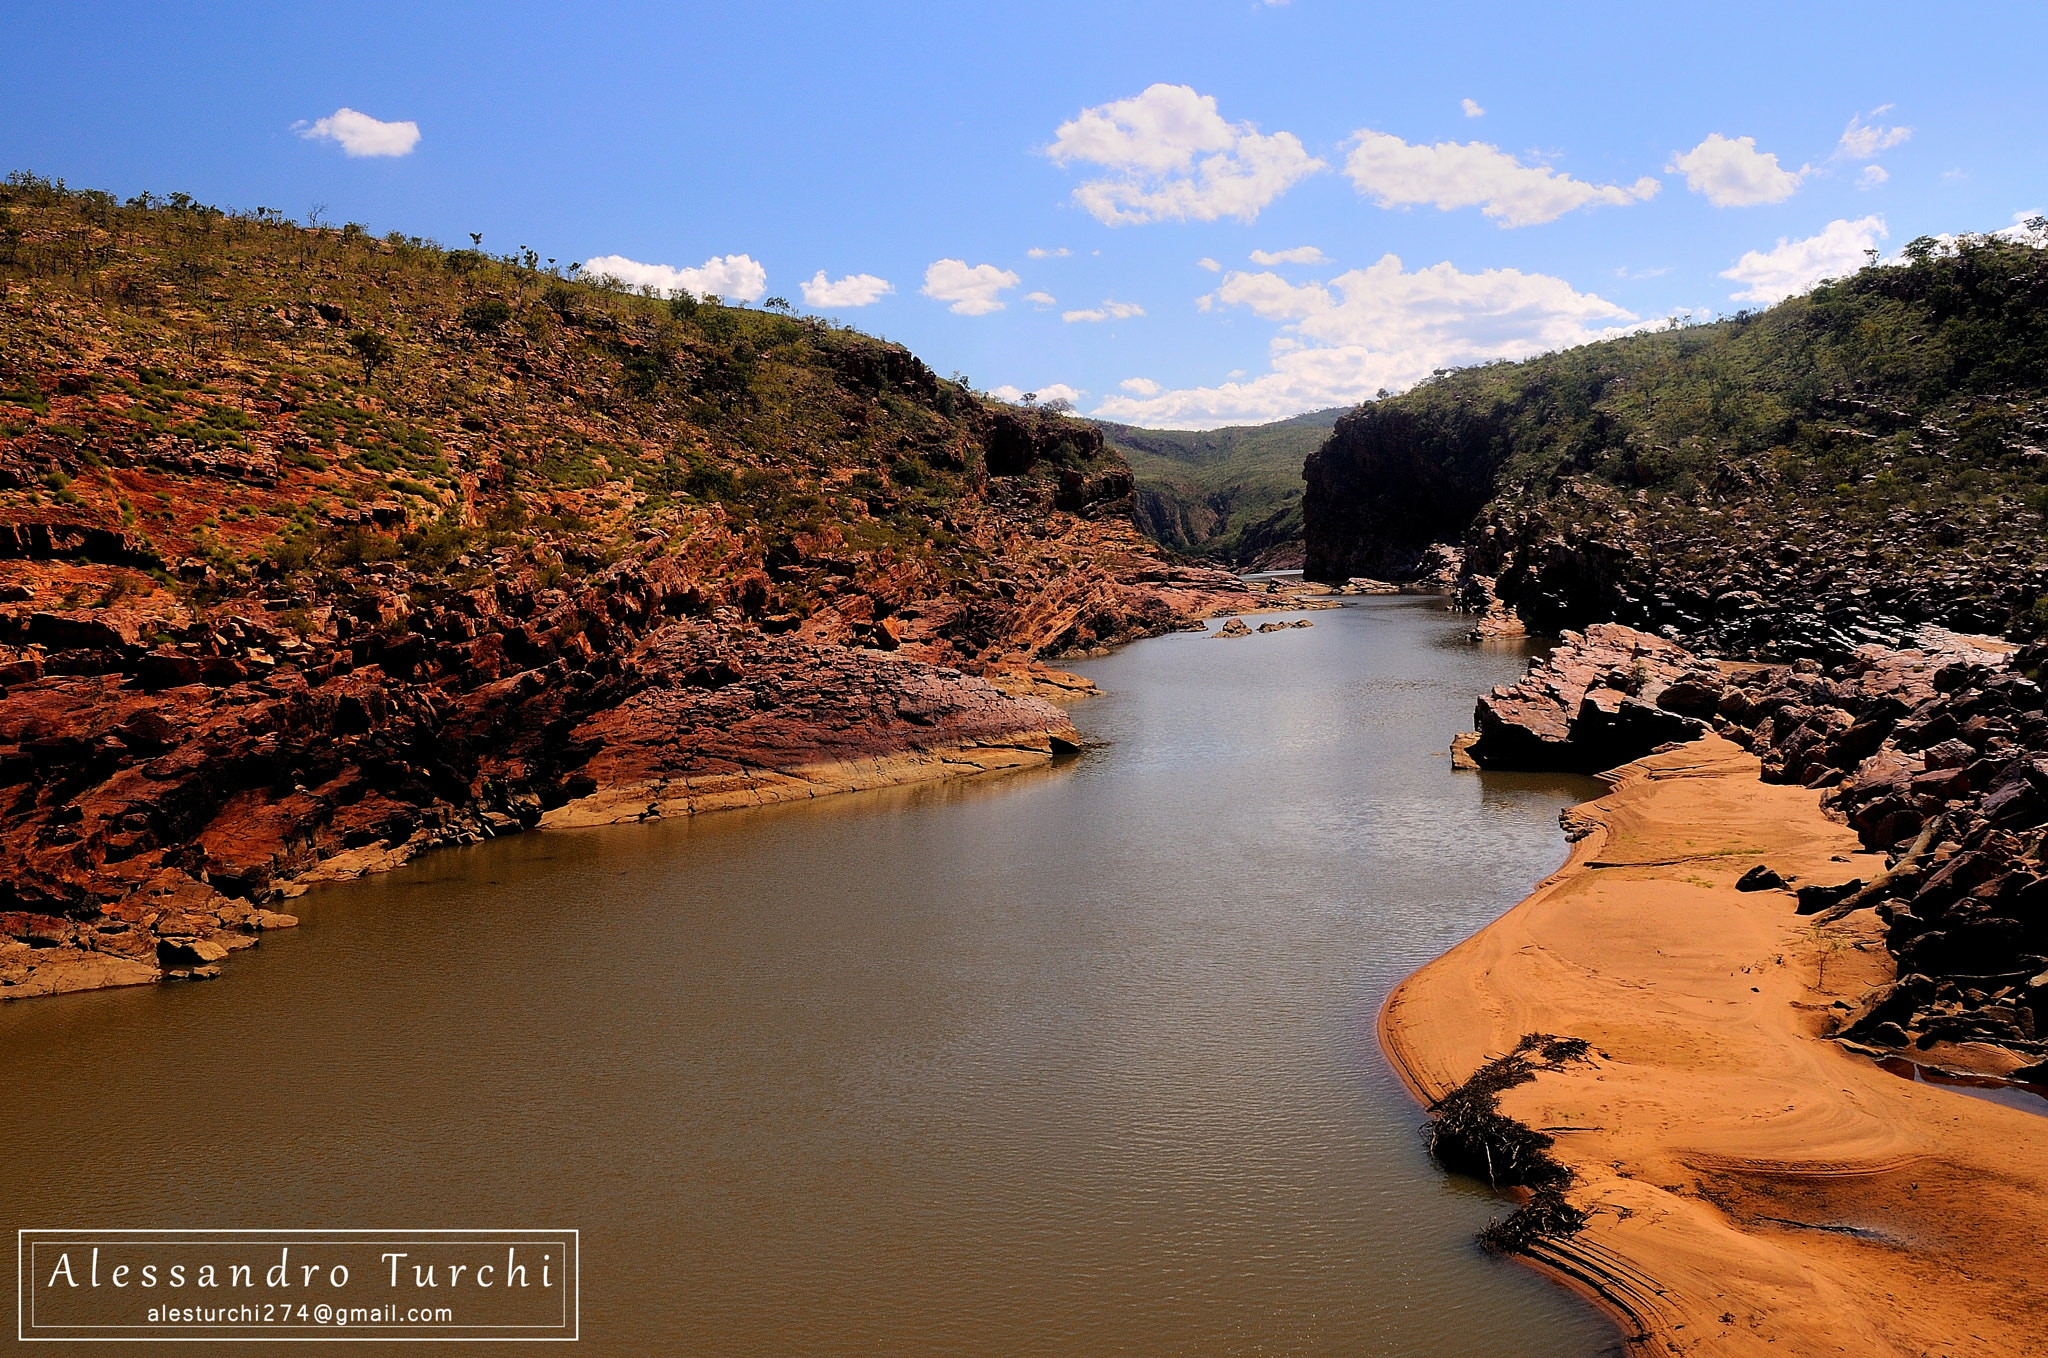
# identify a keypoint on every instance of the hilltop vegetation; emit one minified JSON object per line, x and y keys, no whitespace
{"x":1229,"y":495}
{"x":1868,"y":456}
{"x":342,"y":381}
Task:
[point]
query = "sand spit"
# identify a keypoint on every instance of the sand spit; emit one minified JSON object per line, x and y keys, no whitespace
{"x":1753,"y":1187}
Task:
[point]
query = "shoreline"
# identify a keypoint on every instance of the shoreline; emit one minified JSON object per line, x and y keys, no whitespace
{"x":1751,"y":1186}
{"x":864,"y":720}
{"x":73,"y":965}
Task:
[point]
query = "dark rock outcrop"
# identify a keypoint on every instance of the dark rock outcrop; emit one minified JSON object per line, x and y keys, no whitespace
{"x":1385,"y":486}
{"x":1940,"y":758}
{"x":1748,"y":582}
{"x":1596,"y":701}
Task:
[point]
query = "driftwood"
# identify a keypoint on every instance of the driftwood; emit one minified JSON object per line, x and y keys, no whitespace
{"x":1469,"y":1134}
{"x":1905,"y":870}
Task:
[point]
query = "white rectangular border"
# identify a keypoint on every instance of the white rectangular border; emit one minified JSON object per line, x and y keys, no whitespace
{"x":21,"y":1312}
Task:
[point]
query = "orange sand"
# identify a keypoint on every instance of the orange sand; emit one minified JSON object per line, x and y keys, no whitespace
{"x":1754,"y":1188}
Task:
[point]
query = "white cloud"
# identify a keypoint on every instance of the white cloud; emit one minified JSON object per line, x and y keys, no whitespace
{"x":1872,"y":176}
{"x":856,"y":289}
{"x":1141,"y":386}
{"x":1300,"y":254}
{"x":1863,"y":141}
{"x":1207,"y":263}
{"x":1172,"y":156}
{"x":1108,"y":311}
{"x":1472,"y":109}
{"x":972,"y":292}
{"x":1378,"y":327}
{"x":1734,"y":173}
{"x":1041,"y":299}
{"x":1795,"y":266}
{"x":1451,"y":175}
{"x":358,"y":134}
{"x":1058,"y":391}
{"x":2024,"y":229}
{"x":738,"y":277}
{"x":1948,"y":242}
{"x":1036,"y":252}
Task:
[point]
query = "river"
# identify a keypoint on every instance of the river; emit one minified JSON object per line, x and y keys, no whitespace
{"x":1074,"y":1062}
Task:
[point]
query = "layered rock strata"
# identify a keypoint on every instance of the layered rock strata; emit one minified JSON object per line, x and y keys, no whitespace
{"x":169,"y":778}
{"x":318,"y":550}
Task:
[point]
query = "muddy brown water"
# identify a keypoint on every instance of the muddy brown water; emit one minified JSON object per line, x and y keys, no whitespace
{"x":1075,"y":1062}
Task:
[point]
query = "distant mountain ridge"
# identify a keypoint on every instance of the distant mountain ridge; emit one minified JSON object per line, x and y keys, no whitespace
{"x":1230,"y":495}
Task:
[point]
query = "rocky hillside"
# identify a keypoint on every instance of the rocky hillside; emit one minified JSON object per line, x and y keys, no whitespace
{"x":1840,"y":469}
{"x":318,"y":549}
{"x":1232,"y":496}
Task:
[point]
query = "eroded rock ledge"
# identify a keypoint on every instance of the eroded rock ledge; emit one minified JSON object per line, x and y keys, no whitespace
{"x":1602,"y":698}
{"x":170,"y":781}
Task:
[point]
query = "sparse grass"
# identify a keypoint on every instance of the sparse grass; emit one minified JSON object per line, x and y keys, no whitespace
{"x":265,"y":398}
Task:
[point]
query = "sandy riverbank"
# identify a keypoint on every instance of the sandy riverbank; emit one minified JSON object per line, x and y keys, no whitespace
{"x":1753,"y":1187}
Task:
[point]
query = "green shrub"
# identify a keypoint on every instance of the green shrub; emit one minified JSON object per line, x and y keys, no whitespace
{"x":486,"y":316}
{"x":356,"y":546}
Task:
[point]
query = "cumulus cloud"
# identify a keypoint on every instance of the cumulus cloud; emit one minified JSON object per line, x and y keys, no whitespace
{"x":1795,"y":266}
{"x":1140,"y":386}
{"x":738,"y":277}
{"x":1863,"y":141}
{"x":1172,"y":156}
{"x":1377,"y":327}
{"x":1041,"y":299}
{"x":1057,"y":391}
{"x":1472,"y":109}
{"x":970,"y":291}
{"x":1451,"y":175}
{"x":358,"y":134}
{"x":1108,"y":311}
{"x":856,"y":289}
{"x":1036,"y":252}
{"x":1734,"y":173}
{"x":1300,"y":254}
{"x":1872,"y":176}
{"x":1207,"y":263}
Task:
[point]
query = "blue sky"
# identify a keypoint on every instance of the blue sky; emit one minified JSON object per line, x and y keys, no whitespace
{"x":1537,"y":178}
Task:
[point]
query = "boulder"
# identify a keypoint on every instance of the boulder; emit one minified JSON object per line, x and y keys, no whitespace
{"x":1814,"y":899}
{"x":1591,"y":704}
{"x":164,"y":669}
{"x":177,"y":951}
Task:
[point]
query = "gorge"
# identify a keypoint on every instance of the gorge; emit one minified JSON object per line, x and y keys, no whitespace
{"x":320,"y":550}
